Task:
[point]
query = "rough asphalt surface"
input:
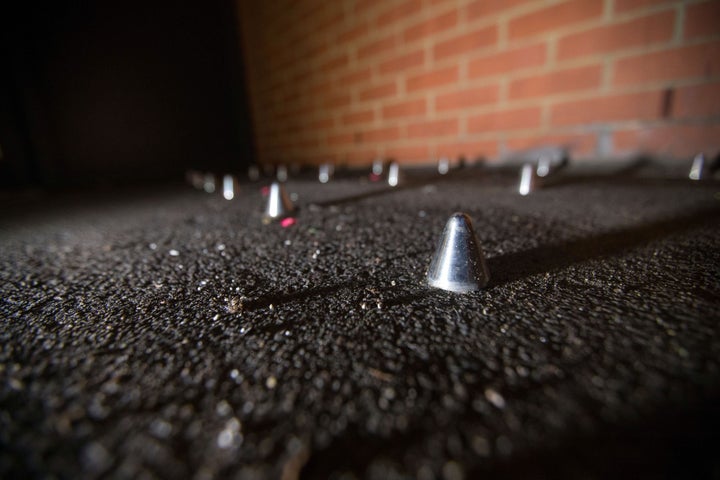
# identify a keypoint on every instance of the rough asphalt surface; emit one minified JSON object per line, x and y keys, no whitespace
{"x":171,"y":334}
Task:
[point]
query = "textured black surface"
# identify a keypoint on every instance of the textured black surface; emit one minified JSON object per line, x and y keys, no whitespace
{"x":174,"y":335}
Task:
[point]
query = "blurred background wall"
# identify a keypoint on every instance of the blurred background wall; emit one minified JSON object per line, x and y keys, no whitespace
{"x":106,"y":92}
{"x":348,"y":80}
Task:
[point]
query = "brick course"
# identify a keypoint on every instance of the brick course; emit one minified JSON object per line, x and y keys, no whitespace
{"x":350,"y":80}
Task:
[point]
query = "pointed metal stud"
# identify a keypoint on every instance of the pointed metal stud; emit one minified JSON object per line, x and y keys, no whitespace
{"x":697,"y":170}
{"x":279,"y":204}
{"x":393,"y":178}
{"x":443,"y":165}
{"x":325,"y":172}
{"x":528,"y":180}
{"x":229,"y":187}
{"x":282,"y":173}
{"x":543,"y":166}
{"x":458,"y":264}
{"x":378,"y":166}
{"x":209,"y":183}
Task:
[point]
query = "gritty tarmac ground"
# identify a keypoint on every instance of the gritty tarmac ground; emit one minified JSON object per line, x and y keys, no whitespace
{"x":170,"y":334}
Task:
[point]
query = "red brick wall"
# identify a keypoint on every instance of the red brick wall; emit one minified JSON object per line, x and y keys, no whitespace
{"x":349,"y":80}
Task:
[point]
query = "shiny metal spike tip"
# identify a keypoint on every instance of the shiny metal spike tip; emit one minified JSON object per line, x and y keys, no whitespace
{"x":543,"y":166}
{"x":282,"y":173}
{"x":528,"y":180}
{"x":443,"y":166}
{"x":393,"y":177}
{"x":229,"y":187}
{"x":378,"y":166}
{"x":325,"y":172}
{"x":458,"y":264}
{"x":209,"y":183}
{"x":697,"y":169}
{"x":279,"y":204}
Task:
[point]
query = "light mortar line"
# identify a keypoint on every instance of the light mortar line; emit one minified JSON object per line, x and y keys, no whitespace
{"x":679,"y":24}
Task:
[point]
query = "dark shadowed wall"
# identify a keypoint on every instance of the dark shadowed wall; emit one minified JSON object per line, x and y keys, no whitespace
{"x":121,"y":91}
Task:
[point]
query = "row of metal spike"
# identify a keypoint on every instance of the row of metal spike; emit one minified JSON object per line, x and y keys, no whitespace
{"x":229,"y":183}
{"x":458,"y":264}
{"x":530,"y":174}
{"x":208,"y":181}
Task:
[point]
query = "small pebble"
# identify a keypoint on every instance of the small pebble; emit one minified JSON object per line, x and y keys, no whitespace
{"x":452,"y":471}
{"x":160,"y":428}
{"x":481,"y":446}
{"x":224,"y":439}
{"x":223,"y":408}
{"x":495,"y":398}
{"x":96,"y":458}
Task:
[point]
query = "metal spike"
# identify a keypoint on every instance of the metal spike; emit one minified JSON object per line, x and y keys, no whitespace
{"x":325,"y":172}
{"x":393,"y":174}
{"x":209,"y":183}
{"x":697,"y":170}
{"x":279,"y":204}
{"x":443,"y":166}
{"x":528,"y":180}
{"x":543,"y":166}
{"x":378,"y":166}
{"x":229,"y":186}
{"x":458,"y":264}
{"x":282,"y":173}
